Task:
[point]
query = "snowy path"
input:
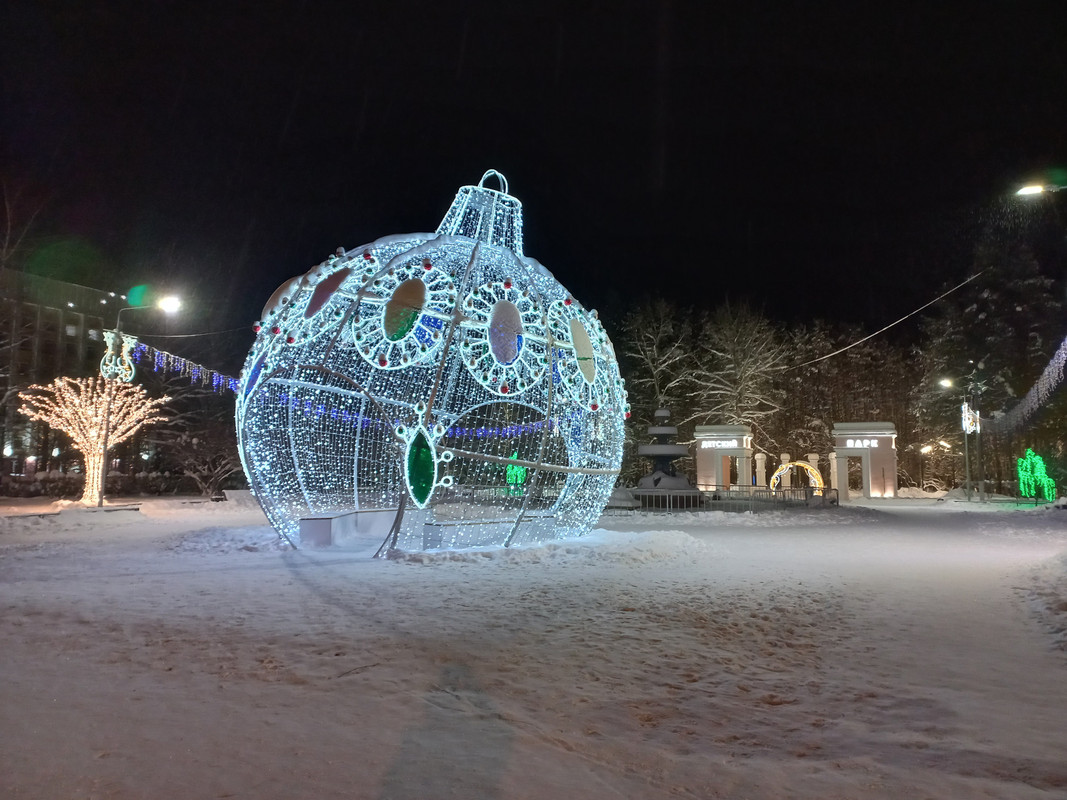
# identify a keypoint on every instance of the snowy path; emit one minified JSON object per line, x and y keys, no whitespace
{"x":856,"y":655}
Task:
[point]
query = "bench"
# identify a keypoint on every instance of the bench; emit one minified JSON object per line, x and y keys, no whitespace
{"x":346,"y":527}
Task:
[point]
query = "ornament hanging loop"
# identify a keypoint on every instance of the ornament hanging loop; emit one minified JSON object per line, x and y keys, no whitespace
{"x":492,"y":173}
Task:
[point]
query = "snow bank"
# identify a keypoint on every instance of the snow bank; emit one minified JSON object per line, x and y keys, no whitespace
{"x":228,"y":540}
{"x":915,"y":493}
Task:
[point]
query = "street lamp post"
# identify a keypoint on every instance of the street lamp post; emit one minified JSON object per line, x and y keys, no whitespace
{"x":975,"y":388}
{"x":972,"y":423}
{"x":947,"y":384}
{"x":981,"y":465}
{"x":926,"y":449}
{"x":168,"y":305}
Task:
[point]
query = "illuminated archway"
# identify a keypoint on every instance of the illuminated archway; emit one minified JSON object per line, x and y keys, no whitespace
{"x":814,"y":476}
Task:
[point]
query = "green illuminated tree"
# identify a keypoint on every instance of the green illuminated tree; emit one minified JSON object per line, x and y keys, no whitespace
{"x":1033,"y":477}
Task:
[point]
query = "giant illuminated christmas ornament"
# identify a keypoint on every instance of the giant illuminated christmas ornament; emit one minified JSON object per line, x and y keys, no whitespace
{"x":421,"y":375}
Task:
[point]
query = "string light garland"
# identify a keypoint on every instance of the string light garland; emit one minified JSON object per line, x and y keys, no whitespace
{"x":97,"y":414}
{"x":445,"y":377}
{"x":1039,"y":393}
{"x":124,"y":352}
{"x":164,"y":362}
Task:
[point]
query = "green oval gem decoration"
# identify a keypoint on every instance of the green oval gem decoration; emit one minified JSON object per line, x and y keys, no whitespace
{"x":403,"y":309}
{"x":422,"y":468}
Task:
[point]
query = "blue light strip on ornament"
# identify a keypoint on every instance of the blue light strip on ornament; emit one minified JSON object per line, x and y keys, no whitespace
{"x":311,"y":408}
{"x":507,"y":431}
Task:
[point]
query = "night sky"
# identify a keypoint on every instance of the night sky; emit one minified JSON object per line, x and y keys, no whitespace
{"x":812,"y":159}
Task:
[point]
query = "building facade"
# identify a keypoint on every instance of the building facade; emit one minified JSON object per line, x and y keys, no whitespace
{"x":48,"y":329}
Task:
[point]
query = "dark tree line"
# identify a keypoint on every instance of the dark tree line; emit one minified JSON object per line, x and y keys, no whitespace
{"x":991,"y":339}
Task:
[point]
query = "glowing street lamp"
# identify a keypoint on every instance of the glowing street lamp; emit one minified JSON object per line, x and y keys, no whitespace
{"x":170,"y":304}
{"x":117,"y":362}
{"x":1039,"y":188}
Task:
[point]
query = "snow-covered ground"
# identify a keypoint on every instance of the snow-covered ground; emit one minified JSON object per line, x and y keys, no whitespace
{"x":903,"y":649}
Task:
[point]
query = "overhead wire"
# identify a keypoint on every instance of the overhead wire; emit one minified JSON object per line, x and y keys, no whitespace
{"x":890,"y":325}
{"x":188,"y":335}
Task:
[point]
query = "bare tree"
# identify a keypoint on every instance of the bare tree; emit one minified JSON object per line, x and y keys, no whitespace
{"x":655,"y":343}
{"x":16,"y":223}
{"x":200,"y":438}
{"x":208,"y":456}
{"x":740,"y":356}
{"x":657,"y":338}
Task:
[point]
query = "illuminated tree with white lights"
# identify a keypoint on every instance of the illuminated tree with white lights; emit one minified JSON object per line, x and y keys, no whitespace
{"x":97,"y":414}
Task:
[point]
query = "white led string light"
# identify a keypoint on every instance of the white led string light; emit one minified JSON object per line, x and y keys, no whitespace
{"x":97,"y":414}
{"x":443,"y":376}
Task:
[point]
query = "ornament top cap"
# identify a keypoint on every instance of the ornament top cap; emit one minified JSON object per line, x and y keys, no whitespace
{"x":486,"y":215}
{"x":502,"y":182}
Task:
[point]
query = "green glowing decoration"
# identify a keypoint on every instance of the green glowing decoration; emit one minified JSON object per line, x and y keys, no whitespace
{"x":422,"y":468}
{"x":1034,"y":478}
{"x":423,"y":457}
{"x":515,"y":475}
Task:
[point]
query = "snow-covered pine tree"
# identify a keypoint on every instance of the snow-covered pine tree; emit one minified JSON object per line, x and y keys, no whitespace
{"x":993,"y":339}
